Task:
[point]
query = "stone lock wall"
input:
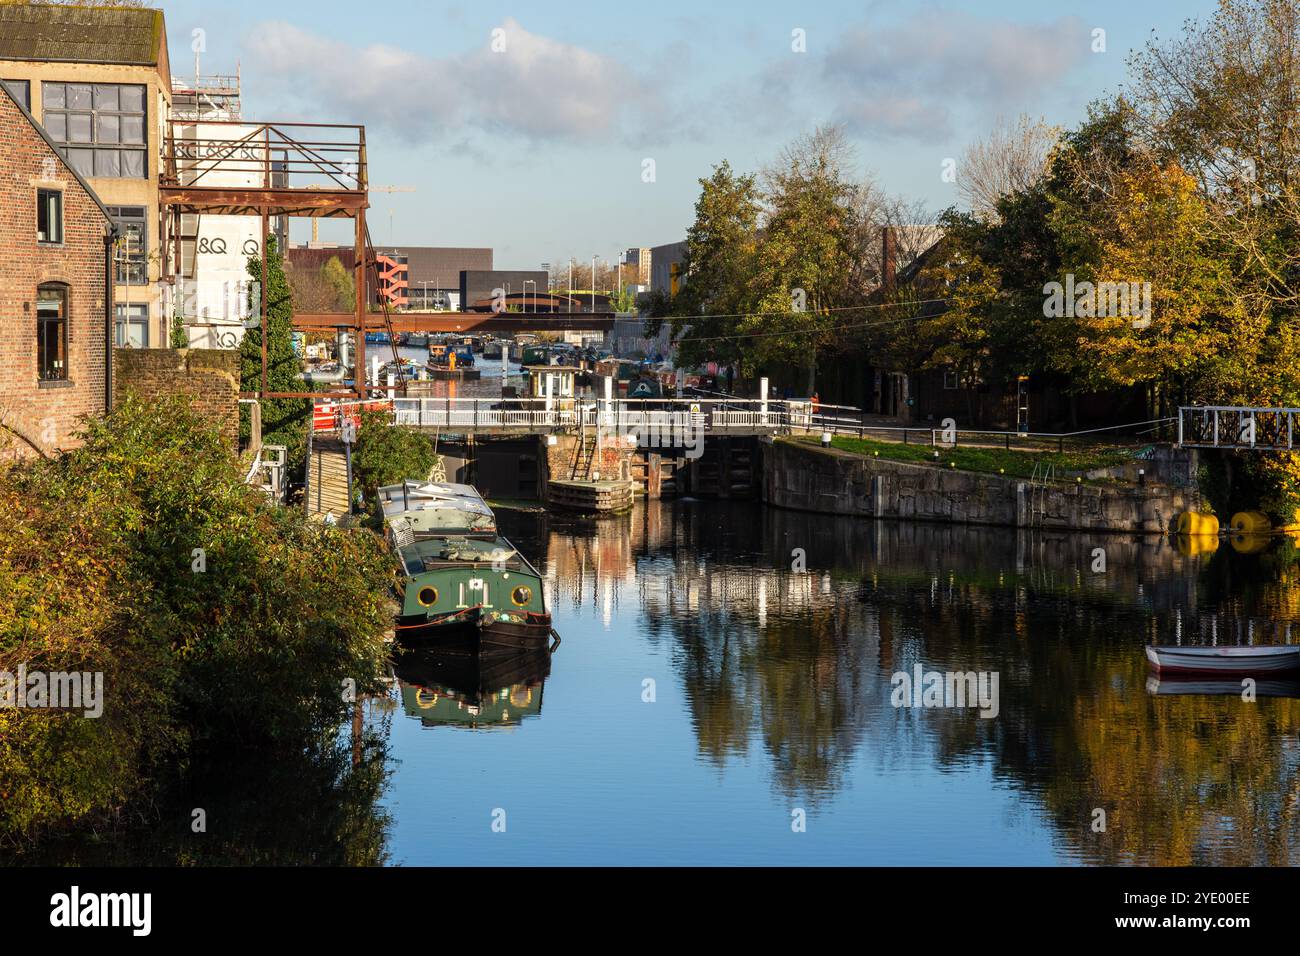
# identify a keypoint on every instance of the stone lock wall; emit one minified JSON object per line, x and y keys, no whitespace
{"x":612,"y":462}
{"x":210,"y":377}
{"x":807,"y":477}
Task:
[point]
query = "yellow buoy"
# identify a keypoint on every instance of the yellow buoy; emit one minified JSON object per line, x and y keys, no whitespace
{"x":1195,"y":545}
{"x":1249,"y":543}
{"x":1250,"y":522}
{"x":1195,"y":523}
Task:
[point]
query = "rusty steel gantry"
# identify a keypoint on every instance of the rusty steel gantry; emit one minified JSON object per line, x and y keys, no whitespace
{"x":237,"y":168}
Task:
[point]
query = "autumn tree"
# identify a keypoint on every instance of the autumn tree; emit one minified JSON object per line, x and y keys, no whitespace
{"x":717,"y":270}
{"x":1007,"y":160}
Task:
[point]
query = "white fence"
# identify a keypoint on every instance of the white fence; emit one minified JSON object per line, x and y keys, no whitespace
{"x":539,"y":415}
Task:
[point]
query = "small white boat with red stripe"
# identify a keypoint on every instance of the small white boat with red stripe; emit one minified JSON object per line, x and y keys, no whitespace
{"x":1267,"y":659}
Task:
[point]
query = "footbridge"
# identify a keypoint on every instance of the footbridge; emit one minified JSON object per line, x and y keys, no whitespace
{"x":1239,"y":428}
{"x":540,"y":416}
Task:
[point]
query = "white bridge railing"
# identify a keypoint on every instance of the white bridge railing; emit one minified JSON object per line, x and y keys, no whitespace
{"x":1239,"y":427}
{"x":526,"y":414}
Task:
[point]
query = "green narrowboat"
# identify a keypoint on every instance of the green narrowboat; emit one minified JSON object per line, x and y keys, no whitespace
{"x":462,"y":585}
{"x":474,"y":594}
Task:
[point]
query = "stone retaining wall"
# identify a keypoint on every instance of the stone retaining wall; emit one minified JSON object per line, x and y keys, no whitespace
{"x":807,"y":477}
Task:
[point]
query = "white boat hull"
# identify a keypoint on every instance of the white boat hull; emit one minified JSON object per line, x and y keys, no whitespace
{"x":1224,"y":660}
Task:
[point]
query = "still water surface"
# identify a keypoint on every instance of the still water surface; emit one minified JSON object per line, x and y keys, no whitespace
{"x":772,"y":695}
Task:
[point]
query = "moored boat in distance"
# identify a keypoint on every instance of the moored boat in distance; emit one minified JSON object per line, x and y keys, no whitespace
{"x":426,"y":508}
{"x":1224,"y":660}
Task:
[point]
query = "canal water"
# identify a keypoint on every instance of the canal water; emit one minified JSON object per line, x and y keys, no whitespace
{"x":724,"y":693}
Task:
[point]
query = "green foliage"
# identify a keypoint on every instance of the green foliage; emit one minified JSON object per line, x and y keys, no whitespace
{"x":625,"y":301}
{"x":772,"y":268}
{"x":340,"y":283}
{"x":179,"y":339}
{"x":284,"y":420}
{"x":718,"y":267}
{"x":1012,"y":463}
{"x":98,"y":573}
{"x":388,"y":454}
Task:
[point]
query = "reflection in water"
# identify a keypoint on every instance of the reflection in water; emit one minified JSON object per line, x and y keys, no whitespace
{"x":1261,"y":687}
{"x":797,"y":665}
{"x":285,"y":809}
{"x":469,"y":690}
{"x":773,"y":692}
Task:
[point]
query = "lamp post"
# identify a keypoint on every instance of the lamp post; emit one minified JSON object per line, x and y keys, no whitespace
{"x":593,"y":285}
{"x":534,"y":282}
{"x":550,"y":307}
{"x":570,"y":290}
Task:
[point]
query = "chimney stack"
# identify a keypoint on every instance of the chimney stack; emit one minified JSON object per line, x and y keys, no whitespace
{"x":888,"y":259}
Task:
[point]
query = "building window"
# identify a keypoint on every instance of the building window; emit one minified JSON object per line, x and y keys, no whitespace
{"x":21,"y":90}
{"x":52,"y":332}
{"x":131,"y":253}
{"x":132,"y":326}
{"x":49,"y":215}
{"x":100,"y":127}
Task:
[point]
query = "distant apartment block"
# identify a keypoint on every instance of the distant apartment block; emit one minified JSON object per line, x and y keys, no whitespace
{"x":640,"y":260}
{"x":419,"y":278}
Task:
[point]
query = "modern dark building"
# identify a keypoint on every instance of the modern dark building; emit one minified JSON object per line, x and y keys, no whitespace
{"x":433,"y":273}
{"x":418,"y":278}
{"x":666,"y":267}
{"x":477,"y":286}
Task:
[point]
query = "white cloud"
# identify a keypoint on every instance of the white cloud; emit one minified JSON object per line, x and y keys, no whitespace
{"x":537,"y":87}
{"x":909,"y":79}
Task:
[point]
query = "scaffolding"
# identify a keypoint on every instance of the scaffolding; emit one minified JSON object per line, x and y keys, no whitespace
{"x":283,"y":169}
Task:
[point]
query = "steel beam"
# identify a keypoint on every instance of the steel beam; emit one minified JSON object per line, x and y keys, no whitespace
{"x":466,"y":322}
{"x":252,"y":200}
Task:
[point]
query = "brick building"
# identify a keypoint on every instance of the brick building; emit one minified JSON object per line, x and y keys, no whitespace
{"x":57,"y":241}
{"x":99,"y":81}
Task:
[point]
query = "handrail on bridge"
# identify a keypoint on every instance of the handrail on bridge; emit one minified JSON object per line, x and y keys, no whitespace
{"x":275,"y":154}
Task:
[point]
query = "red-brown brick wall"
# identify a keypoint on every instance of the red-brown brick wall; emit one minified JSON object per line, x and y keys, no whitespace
{"x":208,"y":377}
{"x":46,"y":416}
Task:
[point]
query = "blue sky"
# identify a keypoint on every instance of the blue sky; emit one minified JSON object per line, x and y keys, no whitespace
{"x":538,"y":150}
